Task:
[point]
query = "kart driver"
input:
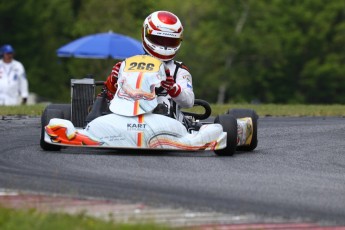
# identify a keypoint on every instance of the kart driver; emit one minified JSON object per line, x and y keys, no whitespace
{"x":161,"y":38}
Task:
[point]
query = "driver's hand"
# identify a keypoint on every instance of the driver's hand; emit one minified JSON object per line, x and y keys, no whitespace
{"x":24,"y":101}
{"x":171,"y":86}
{"x":111,"y":82}
{"x":115,"y":69}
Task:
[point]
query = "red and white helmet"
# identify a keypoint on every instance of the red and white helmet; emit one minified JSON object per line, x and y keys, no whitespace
{"x":162,"y":35}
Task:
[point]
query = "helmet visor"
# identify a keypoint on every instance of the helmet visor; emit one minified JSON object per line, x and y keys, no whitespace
{"x":164,"y":41}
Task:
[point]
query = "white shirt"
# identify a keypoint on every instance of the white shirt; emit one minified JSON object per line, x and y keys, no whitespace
{"x":13,"y":83}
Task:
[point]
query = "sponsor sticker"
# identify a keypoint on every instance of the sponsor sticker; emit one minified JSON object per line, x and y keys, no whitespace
{"x":113,"y":138}
{"x":136,"y":127}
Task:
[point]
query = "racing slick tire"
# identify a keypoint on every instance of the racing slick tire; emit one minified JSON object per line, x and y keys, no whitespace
{"x":65,"y":108}
{"x":52,"y":111}
{"x":240,"y":113}
{"x":229,"y":124}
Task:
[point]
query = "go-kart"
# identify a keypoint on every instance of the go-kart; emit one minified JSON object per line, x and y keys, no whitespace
{"x":135,"y":120}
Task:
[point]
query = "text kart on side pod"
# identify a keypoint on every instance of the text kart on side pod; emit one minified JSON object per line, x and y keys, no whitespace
{"x":135,"y":120}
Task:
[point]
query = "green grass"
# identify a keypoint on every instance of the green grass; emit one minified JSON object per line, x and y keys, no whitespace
{"x":12,"y":219}
{"x":281,"y":110}
{"x":261,"y":109}
{"x":29,"y":110}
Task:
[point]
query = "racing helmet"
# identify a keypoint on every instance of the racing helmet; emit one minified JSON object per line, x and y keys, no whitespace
{"x":162,"y":35}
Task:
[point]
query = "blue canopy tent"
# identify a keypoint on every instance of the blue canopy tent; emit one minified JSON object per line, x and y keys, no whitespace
{"x":102,"y":46}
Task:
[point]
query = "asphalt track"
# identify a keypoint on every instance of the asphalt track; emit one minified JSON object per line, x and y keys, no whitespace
{"x":296,"y":172}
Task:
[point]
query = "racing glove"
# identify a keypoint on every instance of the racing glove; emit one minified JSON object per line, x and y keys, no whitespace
{"x":110,"y":85}
{"x":170,"y":85}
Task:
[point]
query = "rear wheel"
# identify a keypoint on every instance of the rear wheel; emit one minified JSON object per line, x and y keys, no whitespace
{"x":241,"y":113}
{"x":229,"y":124}
{"x":52,"y":111}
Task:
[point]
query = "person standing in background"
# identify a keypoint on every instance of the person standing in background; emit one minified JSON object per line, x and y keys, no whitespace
{"x":14,"y":87}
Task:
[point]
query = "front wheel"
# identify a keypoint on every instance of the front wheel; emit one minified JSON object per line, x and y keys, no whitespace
{"x":229,"y":124}
{"x":48,"y":114}
{"x":241,"y":113}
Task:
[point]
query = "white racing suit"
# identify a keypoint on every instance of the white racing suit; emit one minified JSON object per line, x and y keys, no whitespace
{"x":181,"y":76}
{"x":13,"y":83}
{"x":186,"y":98}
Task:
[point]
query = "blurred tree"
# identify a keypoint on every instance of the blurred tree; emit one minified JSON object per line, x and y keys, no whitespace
{"x":323,"y":73}
{"x":94,"y":18}
{"x":292,"y":52}
{"x":121,"y":16}
{"x":203,"y":45}
{"x":35,"y":37}
{"x":272,"y":51}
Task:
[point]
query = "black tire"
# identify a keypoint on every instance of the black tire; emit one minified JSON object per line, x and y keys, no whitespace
{"x":48,"y":114}
{"x":65,"y":108}
{"x":229,"y":124}
{"x":240,"y":113}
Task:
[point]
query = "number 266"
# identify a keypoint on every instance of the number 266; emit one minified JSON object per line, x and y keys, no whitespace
{"x":141,"y":66}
